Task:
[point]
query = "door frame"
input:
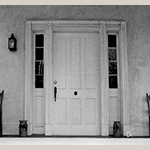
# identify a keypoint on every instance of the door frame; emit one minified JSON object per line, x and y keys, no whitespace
{"x":102,"y":27}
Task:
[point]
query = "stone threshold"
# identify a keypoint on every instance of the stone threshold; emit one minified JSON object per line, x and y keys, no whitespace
{"x":59,"y":136}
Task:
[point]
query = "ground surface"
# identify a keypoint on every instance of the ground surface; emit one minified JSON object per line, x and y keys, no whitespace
{"x":73,"y":141}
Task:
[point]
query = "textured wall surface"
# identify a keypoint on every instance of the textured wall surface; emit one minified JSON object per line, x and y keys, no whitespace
{"x":12,"y":20}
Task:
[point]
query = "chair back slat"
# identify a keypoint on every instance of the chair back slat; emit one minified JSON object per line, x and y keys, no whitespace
{"x":1,"y":97}
{"x":148,"y":99}
{"x":148,"y":102}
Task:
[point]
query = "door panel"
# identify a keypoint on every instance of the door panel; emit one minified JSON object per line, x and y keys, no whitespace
{"x":61,"y":111}
{"x":60,"y":62}
{"x":76,"y":110}
{"x":38,"y":112}
{"x":75,"y":63}
{"x":90,"y":107}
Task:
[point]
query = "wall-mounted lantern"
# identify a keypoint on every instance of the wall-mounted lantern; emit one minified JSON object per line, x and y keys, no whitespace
{"x":12,"y":43}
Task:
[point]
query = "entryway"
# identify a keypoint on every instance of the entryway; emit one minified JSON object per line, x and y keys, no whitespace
{"x":73,"y":77}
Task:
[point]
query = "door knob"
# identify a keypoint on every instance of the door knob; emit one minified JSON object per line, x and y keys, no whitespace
{"x":55,"y":81}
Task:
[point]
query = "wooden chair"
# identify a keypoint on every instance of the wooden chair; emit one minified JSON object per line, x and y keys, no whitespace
{"x":148,"y":103}
{"x":1,"y":101}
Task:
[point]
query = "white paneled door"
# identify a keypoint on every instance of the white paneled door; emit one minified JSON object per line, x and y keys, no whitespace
{"x":76,"y":84}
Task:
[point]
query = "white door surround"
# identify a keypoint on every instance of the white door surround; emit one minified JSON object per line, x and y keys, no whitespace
{"x":101,"y":27}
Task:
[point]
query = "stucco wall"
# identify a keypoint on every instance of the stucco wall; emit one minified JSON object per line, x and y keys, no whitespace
{"x":12,"y":20}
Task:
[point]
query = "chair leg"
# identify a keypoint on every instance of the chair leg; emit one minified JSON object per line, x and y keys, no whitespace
{"x":0,"y":121}
{"x":149,"y":126}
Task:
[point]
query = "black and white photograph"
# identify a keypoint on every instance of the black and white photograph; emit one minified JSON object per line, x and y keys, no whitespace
{"x":75,"y":74}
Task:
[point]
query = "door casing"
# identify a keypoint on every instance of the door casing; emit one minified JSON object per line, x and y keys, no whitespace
{"x":102,"y":27}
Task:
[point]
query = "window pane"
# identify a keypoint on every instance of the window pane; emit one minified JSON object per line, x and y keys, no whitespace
{"x":113,"y":83}
{"x":112,"y":67}
{"x":39,"y":81}
{"x":39,"y":68}
{"x":39,"y":54}
{"x":39,"y":40}
{"x":112,"y":41}
{"x":112,"y":54}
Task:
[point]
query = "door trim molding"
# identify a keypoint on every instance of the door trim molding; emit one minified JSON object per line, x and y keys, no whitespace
{"x":76,"y":26}
{"x":120,"y":28}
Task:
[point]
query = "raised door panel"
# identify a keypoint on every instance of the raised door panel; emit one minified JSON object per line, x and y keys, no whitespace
{"x":75,"y":50}
{"x":75,"y":111}
{"x":60,"y":60}
{"x":61,"y":111}
{"x":38,"y":115}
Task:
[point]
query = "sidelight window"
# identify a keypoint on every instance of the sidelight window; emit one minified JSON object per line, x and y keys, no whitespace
{"x":39,"y":61}
{"x":113,"y":61}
